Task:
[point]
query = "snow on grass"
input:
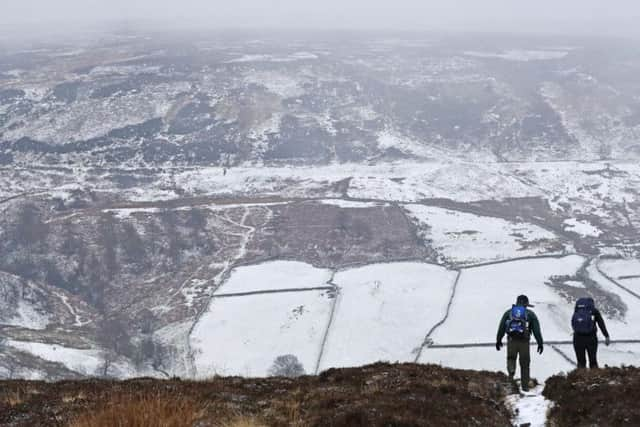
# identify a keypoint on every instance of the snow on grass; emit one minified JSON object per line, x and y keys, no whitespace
{"x":621,"y":268}
{"x":27,"y":316}
{"x":84,"y":361}
{"x":583,"y":228}
{"x":521,"y":55}
{"x":455,"y":181}
{"x":384,"y":312}
{"x":397,"y":181}
{"x":22,"y":303}
{"x":466,"y":238}
{"x":90,"y":118}
{"x":348,"y":204}
{"x":485,"y":293}
{"x":530,"y":410}
{"x":274,"y":275}
{"x":126,"y":213}
{"x":244,"y":335}
{"x":176,"y":336}
{"x":391,"y":140}
{"x":281,"y":84}
{"x":297,"y":56}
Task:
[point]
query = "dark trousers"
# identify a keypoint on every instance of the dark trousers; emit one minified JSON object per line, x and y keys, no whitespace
{"x":588,"y":344}
{"x":519,"y":348}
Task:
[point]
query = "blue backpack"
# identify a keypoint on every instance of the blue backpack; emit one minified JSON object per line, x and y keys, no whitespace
{"x":517,"y":322}
{"x":582,"y":321}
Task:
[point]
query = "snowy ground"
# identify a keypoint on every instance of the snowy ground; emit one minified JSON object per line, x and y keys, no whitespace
{"x":88,"y":362}
{"x":485,"y":293}
{"x":244,"y":335}
{"x":467,"y":239}
{"x":530,"y":409}
{"x":384,"y":311}
{"x":621,"y":268}
{"x":274,"y":275}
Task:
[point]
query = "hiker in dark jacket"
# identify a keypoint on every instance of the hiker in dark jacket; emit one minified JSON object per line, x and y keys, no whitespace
{"x":519,"y":323}
{"x":585,"y":322}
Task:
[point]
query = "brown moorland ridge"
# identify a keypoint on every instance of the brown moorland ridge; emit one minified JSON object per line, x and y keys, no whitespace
{"x":598,"y":397}
{"x":392,"y":395}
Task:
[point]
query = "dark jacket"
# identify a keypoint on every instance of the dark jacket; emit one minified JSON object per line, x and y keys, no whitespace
{"x":532,"y":320}
{"x":599,"y":322}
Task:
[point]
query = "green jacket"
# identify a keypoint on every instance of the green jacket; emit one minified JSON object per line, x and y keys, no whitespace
{"x":532,"y":320}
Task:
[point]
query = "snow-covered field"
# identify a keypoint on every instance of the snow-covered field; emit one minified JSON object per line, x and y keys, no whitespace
{"x":620,"y":268}
{"x":521,"y":55}
{"x":384,"y":311}
{"x":485,"y":293}
{"x":244,"y":335}
{"x":84,"y":361}
{"x":467,"y":239}
{"x":274,"y":275}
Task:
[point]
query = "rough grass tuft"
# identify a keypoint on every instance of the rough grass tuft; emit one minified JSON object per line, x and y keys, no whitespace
{"x":243,"y":422}
{"x":152,"y":411}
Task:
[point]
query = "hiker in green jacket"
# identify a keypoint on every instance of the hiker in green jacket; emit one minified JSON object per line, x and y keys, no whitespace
{"x":518,"y":323}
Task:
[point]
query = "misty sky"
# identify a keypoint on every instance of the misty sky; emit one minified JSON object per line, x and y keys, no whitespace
{"x":617,"y":17}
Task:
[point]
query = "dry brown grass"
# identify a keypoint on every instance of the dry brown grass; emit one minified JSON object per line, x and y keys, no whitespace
{"x":19,"y":396}
{"x":13,"y":398}
{"x":153,"y":411}
{"x":74,"y":397}
{"x":243,"y":422}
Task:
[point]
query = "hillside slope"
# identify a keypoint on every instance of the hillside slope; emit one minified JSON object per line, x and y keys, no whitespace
{"x":375,"y":395}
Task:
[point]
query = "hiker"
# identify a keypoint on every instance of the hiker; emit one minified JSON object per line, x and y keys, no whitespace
{"x":518,"y":323}
{"x":585,"y":321}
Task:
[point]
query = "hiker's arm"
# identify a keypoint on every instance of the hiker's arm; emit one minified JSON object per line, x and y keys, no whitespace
{"x":502,"y":327}
{"x":535,"y":328}
{"x":600,"y":322}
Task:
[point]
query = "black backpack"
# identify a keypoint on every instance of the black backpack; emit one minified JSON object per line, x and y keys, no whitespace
{"x":582,"y":321}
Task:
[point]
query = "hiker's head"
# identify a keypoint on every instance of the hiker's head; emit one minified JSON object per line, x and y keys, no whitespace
{"x":523,"y":300}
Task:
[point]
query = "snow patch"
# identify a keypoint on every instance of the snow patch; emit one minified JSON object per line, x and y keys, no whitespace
{"x":530,"y":409}
{"x":349,"y":204}
{"x":384,"y":312}
{"x":274,"y":275}
{"x":485,"y":293}
{"x":297,"y":56}
{"x":28,"y":317}
{"x":84,"y":361}
{"x":244,"y":335}
{"x":581,"y":227}
{"x":281,"y":84}
{"x":466,"y":238}
{"x":521,"y":55}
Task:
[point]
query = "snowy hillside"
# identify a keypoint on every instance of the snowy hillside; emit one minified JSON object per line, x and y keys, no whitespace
{"x":205,"y":207}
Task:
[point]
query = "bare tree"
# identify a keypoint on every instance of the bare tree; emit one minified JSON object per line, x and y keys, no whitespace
{"x":108,"y":358}
{"x":286,"y":365}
